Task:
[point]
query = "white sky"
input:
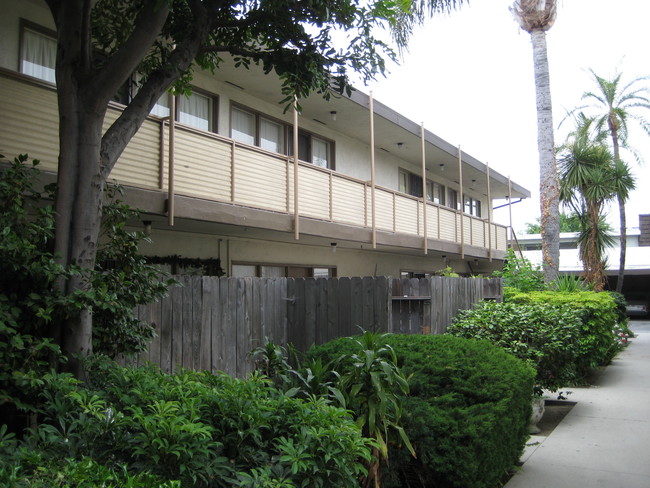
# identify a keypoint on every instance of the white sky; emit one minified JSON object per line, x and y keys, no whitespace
{"x":469,"y":77}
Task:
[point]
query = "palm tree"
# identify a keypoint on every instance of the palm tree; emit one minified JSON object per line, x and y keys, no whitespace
{"x":587,"y":183}
{"x":616,"y":104}
{"x":536,"y":17}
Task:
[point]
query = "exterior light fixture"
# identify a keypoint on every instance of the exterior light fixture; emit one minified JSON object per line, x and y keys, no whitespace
{"x":147,"y":227}
{"x":333,"y":246}
{"x":333,"y":114}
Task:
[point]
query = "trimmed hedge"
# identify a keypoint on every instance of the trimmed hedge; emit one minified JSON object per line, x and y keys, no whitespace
{"x":596,"y":344}
{"x":545,"y":336}
{"x":467,"y":413}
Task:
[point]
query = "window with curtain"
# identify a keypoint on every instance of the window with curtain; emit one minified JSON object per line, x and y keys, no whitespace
{"x":320,"y":152}
{"x":195,"y":110}
{"x":38,"y":55}
{"x":242,"y":126}
{"x":271,"y":136}
{"x":161,"y":108}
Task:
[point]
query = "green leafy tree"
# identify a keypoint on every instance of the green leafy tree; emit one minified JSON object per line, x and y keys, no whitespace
{"x":586,"y":169}
{"x":536,"y":17}
{"x":102,"y":44}
{"x":614,"y":104}
{"x":568,"y":223}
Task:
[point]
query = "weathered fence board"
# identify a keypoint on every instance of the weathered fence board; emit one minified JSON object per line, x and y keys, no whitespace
{"x":211,"y":323}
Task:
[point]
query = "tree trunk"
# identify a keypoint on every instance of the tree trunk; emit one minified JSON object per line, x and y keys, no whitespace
{"x":623,"y":244}
{"x":549,"y":184}
{"x":78,"y":212}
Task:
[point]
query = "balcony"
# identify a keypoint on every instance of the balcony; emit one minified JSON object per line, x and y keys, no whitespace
{"x":214,"y":168}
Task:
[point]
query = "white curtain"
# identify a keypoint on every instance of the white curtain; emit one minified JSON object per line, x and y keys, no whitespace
{"x":161,"y":108}
{"x":39,"y":56}
{"x":271,"y":136}
{"x":320,"y":152}
{"x":195,"y":111}
{"x":242,"y":126}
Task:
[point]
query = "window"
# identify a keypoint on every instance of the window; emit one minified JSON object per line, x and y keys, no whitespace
{"x":320,"y":152}
{"x":412,"y":184}
{"x":274,"y":271}
{"x":196,"y":110}
{"x":435,"y":192}
{"x":38,"y":55}
{"x":312,"y":149}
{"x":256,"y":129}
{"x":472,"y":206}
{"x":452,"y":198}
{"x":271,"y":136}
{"x":242,"y":126}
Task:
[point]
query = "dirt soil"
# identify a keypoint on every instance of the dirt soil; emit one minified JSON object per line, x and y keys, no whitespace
{"x":554,"y":412}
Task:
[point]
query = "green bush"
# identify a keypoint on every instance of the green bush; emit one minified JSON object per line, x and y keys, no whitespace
{"x":545,"y":336}
{"x":40,"y":472}
{"x":198,"y":428}
{"x":33,"y":309}
{"x":466,"y":415}
{"x":520,"y":274}
{"x":596,"y":344}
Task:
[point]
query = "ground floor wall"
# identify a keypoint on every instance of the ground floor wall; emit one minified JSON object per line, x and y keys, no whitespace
{"x":347,"y":260}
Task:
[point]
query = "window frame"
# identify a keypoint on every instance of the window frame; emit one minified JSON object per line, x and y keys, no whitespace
{"x":289,"y":270}
{"x":213,"y":126}
{"x":473,"y":204}
{"x":287,"y":136}
{"x":24,"y":25}
{"x":404,"y":182}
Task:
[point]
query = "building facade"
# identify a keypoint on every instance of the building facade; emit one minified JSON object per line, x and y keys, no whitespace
{"x":233,"y":191}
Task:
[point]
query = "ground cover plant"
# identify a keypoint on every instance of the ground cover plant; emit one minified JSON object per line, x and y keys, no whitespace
{"x":466,"y":413}
{"x":186,"y":429}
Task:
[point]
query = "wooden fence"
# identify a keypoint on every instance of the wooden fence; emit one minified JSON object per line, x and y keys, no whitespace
{"x":211,"y":323}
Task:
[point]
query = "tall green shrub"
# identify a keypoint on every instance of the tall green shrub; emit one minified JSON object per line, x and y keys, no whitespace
{"x":596,"y":344}
{"x":466,"y":414}
{"x":545,"y":336}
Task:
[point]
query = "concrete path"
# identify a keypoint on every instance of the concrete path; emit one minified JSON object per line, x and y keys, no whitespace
{"x":604,"y":441}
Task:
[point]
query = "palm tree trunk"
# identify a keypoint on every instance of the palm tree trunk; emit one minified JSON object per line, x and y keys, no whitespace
{"x":549,"y":184}
{"x":623,"y":245}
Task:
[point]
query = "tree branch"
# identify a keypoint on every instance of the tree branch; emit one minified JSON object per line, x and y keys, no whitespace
{"x":121,"y":65}
{"x":127,"y":124}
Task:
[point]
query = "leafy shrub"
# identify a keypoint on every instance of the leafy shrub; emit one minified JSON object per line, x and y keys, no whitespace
{"x":520,"y":274}
{"x":32,"y":309}
{"x":198,"y":428}
{"x":366,"y":381}
{"x":40,"y":472}
{"x":596,"y":344}
{"x":466,"y":415}
{"x":545,"y":336}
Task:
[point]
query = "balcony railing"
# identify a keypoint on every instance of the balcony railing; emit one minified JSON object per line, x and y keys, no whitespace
{"x":213,"y":167}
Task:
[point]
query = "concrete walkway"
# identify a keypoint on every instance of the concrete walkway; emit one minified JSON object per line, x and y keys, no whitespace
{"x":604,"y":441}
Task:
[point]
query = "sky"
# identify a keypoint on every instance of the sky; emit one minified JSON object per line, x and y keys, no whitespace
{"x":468,"y":76}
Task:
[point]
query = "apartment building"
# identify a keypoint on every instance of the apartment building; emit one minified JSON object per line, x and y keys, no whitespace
{"x":218,"y":180}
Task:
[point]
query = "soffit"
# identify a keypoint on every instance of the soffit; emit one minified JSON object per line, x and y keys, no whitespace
{"x":394,"y":133}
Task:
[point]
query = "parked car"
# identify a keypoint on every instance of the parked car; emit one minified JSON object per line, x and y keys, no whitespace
{"x":636,"y":308}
